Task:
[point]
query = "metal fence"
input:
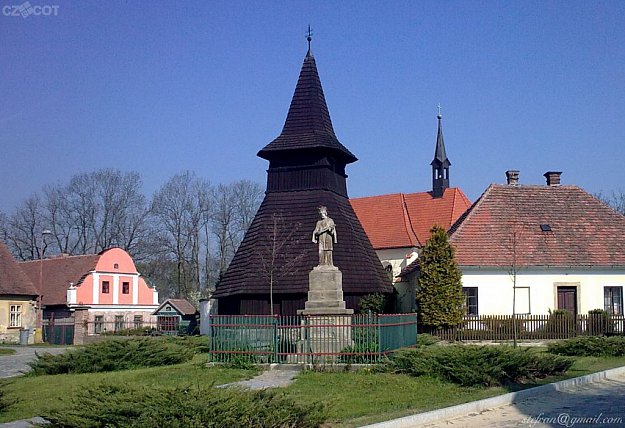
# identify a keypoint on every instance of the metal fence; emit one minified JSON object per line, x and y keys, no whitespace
{"x":361,"y":338}
{"x":123,"y":328}
{"x":530,"y":327}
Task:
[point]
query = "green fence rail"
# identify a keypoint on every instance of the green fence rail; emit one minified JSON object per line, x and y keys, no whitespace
{"x":361,"y":338}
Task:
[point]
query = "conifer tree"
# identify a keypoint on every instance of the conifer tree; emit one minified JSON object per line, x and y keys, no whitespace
{"x":439,"y":293}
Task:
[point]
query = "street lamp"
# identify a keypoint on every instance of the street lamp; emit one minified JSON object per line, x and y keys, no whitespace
{"x":44,"y":245}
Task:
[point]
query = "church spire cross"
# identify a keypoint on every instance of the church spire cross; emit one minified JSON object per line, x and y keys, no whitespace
{"x":309,"y":38}
{"x":439,"y":111}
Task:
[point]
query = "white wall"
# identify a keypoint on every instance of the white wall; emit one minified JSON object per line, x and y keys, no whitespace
{"x":495,"y":288}
{"x":399,"y":258}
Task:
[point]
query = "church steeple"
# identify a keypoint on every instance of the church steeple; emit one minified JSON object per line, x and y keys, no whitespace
{"x":307,"y":155}
{"x":440,"y":164}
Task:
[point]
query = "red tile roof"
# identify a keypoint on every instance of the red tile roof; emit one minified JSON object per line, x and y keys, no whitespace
{"x":58,"y":272}
{"x":404,"y":220}
{"x":13,"y":280}
{"x":584,"y":231}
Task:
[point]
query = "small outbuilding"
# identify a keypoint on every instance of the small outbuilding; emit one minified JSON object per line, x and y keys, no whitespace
{"x":176,"y":316}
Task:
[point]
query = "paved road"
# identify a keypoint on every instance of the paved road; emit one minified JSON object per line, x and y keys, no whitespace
{"x":600,"y":404}
{"x":16,"y":364}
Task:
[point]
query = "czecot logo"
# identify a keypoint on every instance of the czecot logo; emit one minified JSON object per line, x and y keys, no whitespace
{"x":26,"y":9}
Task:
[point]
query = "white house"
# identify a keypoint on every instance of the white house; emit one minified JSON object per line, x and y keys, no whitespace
{"x":547,"y":246}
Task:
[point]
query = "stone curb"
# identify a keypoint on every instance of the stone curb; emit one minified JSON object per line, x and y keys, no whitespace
{"x":498,"y":401}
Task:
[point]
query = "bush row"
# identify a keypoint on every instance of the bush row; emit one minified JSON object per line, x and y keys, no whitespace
{"x":478,"y":365}
{"x":595,"y":346}
{"x":111,"y":405}
{"x":112,"y":355}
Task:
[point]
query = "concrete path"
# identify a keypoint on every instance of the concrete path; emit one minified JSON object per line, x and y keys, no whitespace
{"x":594,"y":400}
{"x":600,"y":404}
{"x":17,"y":364}
{"x":276,"y":377}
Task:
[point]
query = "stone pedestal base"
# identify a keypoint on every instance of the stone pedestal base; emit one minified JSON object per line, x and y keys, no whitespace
{"x":325,"y":292}
{"x":323,"y":337}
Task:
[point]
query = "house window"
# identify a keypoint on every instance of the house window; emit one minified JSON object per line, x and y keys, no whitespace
{"x":105,"y":287}
{"x":116,"y":266}
{"x":125,"y":287}
{"x":168,"y":323}
{"x":613,"y":300}
{"x":119,"y":322}
{"x":138,"y":321}
{"x":98,"y":324}
{"x":470,"y":300}
{"x":15,"y":315}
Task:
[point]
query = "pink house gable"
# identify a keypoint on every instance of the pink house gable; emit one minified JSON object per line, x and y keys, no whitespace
{"x":115,"y":281}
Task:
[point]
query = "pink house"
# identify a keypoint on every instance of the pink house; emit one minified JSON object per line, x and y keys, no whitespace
{"x":91,"y":294}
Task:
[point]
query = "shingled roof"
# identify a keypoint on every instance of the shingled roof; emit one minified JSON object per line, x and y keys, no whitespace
{"x":308,"y":125}
{"x":183,"y":306}
{"x":306,"y":170}
{"x":13,"y":280}
{"x":353,"y":254}
{"x":577,"y":229}
{"x":58,"y":272}
{"x":404,"y":219}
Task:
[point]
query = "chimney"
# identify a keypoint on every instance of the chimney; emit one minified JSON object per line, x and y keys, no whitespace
{"x":553,"y":178}
{"x":512,"y":175}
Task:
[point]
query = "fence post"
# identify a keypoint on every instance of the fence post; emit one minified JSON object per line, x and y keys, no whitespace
{"x":379,"y":323}
{"x":275,"y":338}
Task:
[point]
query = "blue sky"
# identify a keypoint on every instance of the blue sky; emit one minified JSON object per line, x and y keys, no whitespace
{"x":160,"y":87}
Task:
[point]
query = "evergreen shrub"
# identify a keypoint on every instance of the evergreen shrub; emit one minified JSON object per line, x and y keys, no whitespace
{"x":112,"y":355}
{"x":439,"y":293}
{"x":478,"y":365}
{"x":590,"y":346}
{"x":124,"y":406}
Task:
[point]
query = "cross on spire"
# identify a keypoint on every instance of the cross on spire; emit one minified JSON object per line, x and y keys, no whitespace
{"x":309,"y":38}
{"x":439,"y":111}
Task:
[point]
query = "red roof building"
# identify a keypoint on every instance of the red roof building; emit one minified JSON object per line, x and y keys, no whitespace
{"x":404,"y":220}
{"x":105,"y":288}
{"x":399,"y":224}
{"x":562,"y":247}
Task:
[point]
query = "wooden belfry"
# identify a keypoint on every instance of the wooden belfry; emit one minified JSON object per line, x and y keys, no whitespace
{"x":306,"y":171}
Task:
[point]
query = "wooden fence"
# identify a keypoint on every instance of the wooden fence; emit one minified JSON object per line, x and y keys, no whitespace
{"x":530,"y":327}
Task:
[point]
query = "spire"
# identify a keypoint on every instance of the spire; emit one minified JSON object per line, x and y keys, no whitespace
{"x":440,"y":164}
{"x":308,"y":124}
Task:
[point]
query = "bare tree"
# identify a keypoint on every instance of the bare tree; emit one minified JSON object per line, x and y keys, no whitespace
{"x":181,"y":208}
{"x":23,"y":228}
{"x":279,"y":255}
{"x":247,"y":198}
{"x":515,"y":237}
{"x":235,"y":207}
{"x":224,"y":225}
{"x":616,"y":200}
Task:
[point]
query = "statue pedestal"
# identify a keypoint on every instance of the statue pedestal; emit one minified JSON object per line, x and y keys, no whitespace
{"x":325,"y":292}
{"x":327,"y":327}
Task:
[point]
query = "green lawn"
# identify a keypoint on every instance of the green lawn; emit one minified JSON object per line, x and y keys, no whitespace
{"x":7,"y":351}
{"x":352,"y":398}
{"x":32,"y":395}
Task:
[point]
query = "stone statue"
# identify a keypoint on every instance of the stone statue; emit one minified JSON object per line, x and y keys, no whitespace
{"x":325,"y":235}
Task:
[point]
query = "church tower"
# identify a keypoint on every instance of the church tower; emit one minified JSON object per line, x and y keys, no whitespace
{"x":306,"y":170}
{"x":440,"y":164}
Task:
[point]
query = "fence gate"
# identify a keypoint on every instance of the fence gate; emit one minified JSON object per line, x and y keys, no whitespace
{"x":59,"y":331}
